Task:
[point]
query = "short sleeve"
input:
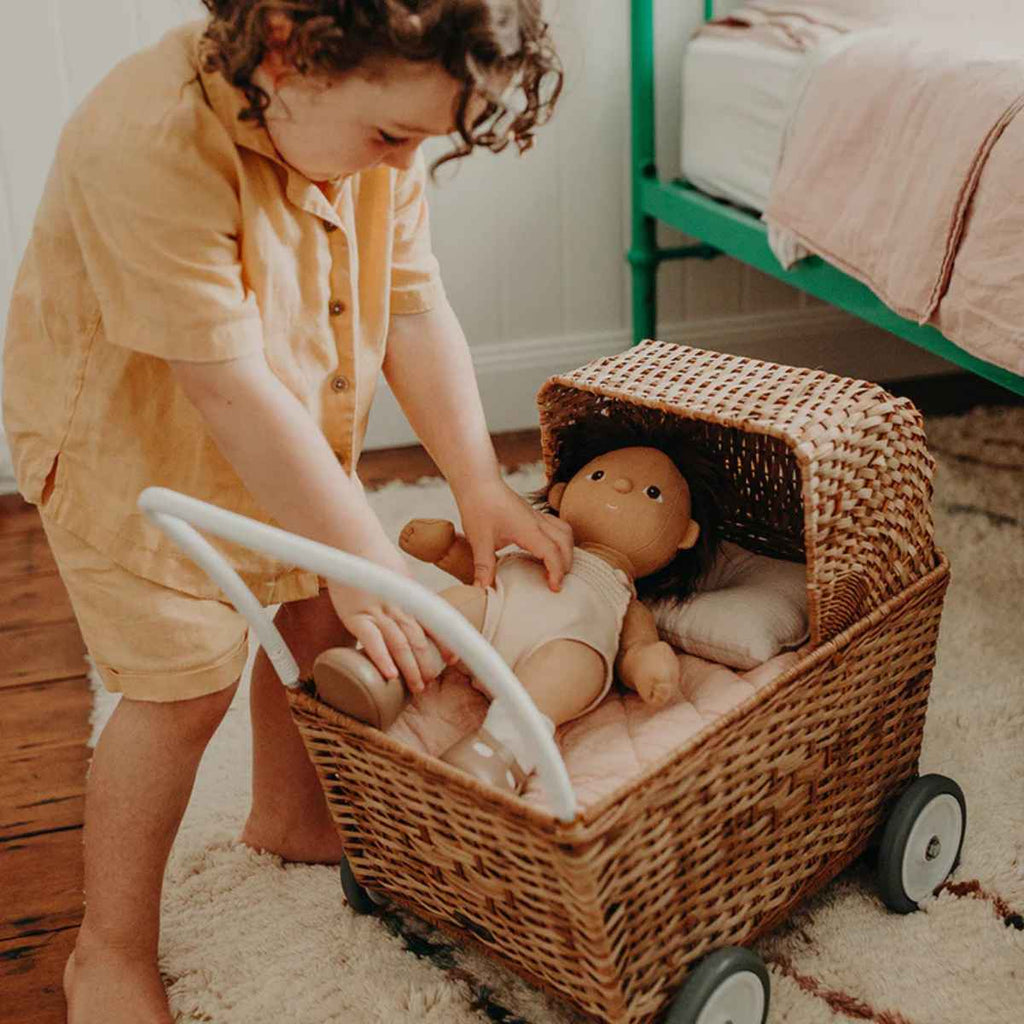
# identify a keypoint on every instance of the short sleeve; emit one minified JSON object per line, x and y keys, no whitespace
{"x":415,"y":276}
{"x":156,"y":214}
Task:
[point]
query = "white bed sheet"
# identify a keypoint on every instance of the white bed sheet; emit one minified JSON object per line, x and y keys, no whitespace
{"x":738,"y":95}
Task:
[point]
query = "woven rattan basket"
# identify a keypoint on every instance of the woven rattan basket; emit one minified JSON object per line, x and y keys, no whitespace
{"x":718,"y":842}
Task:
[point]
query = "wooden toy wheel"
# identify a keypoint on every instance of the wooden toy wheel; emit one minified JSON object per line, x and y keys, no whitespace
{"x":921,"y":842}
{"x":730,"y":986}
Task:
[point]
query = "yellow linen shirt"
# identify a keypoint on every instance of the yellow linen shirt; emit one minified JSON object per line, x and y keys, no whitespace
{"x":169,"y":229}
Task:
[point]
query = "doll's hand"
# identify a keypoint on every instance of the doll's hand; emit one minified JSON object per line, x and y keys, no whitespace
{"x":653,"y":671}
{"x":493,"y":516}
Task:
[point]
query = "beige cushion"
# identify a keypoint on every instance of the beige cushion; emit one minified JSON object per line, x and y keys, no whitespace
{"x":749,"y":608}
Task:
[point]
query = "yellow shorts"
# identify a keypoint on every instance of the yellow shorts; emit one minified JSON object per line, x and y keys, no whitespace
{"x":148,"y":642}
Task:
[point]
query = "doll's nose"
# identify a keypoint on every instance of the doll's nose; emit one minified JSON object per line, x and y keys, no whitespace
{"x":623,"y":485}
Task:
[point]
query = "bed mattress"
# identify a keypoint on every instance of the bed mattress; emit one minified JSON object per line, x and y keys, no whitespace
{"x":737,"y":97}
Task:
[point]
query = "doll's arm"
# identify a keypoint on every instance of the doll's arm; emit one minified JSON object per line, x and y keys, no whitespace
{"x":645,"y":663}
{"x":435,"y":541}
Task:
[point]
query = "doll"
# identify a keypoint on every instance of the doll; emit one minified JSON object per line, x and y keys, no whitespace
{"x":631,"y":512}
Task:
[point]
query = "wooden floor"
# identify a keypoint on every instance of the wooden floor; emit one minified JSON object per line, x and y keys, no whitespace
{"x":44,"y":730}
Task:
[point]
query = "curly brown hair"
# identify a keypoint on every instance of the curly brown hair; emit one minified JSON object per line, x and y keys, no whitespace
{"x":477,"y":42}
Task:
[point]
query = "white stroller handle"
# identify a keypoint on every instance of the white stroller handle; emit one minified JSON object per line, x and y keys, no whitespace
{"x":173,"y":512}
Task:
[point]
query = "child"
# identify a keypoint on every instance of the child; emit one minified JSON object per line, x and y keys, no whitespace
{"x":232,"y":243}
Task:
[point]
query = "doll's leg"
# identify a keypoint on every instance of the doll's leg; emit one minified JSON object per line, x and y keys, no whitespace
{"x":564,"y":677}
{"x":436,"y":541}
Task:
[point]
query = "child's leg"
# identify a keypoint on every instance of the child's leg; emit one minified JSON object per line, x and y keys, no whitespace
{"x":289,"y":813}
{"x":176,"y":660}
{"x":139,"y":784}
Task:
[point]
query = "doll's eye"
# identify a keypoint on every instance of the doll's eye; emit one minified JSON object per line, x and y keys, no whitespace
{"x":653,"y":492}
{"x":598,"y":474}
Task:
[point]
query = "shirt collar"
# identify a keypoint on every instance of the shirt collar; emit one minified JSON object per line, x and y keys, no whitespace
{"x":227,"y":102}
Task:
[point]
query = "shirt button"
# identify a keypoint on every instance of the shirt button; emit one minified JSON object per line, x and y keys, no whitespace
{"x":329,"y":227}
{"x":340,"y":383}
{"x":336,"y":308}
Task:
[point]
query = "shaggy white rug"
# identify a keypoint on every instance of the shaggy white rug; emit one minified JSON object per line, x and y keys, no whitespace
{"x":247,"y":940}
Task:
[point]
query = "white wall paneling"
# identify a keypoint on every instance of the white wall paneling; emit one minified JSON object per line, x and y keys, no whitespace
{"x":531,"y":249}
{"x":511,"y":373}
{"x":59,"y":50}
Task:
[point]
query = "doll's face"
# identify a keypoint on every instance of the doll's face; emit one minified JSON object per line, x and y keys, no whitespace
{"x":634,"y":501}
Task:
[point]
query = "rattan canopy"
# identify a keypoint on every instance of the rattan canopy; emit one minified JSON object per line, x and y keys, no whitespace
{"x":824,"y":468}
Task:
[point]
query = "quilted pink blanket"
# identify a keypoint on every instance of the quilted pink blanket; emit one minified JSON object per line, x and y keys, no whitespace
{"x":611,"y":744}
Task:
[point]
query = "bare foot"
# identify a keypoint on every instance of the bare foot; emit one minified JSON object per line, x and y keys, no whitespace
{"x":429,"y":540}
{"x":301,"y":844}
{"x":104,"y":986}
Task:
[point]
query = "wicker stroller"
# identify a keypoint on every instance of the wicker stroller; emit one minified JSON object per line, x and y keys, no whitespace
{"x":612,"y":907}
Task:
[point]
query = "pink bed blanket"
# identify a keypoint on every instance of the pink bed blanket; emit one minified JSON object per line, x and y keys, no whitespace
{"x":804,"y":24}
{"x":902,"y":163}
{"x":611,"y":744}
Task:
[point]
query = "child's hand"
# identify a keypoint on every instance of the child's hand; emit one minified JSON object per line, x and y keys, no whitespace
{"x":393,"y":640}
{"x":493,"y":516}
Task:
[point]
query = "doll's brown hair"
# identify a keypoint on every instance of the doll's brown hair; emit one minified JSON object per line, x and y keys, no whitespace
{"x":477,"y":42}
{"x":585,"y":440}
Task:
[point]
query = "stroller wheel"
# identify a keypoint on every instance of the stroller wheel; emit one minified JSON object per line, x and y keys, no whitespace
{"x":921,"y":842}
{"x":731,"y":985}
{"x":359,"y":899}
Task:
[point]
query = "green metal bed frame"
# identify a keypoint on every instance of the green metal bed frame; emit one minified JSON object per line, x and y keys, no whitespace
{"x":724,"y":229}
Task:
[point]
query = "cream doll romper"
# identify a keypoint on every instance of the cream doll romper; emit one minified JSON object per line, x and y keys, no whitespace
{"x":523,"y":613}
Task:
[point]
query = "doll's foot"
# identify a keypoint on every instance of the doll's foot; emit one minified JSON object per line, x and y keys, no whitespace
{"x":485,"y":758}
{"x":349,"y":682}
{"x":429,"y":540}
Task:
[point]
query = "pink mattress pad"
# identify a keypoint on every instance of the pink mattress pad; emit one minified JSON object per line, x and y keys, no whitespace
{"x":612,"y":743}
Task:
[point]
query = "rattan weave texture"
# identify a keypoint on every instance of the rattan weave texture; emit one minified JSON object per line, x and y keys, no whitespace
{"x":719,"y":841}
{"x":828,"y":466}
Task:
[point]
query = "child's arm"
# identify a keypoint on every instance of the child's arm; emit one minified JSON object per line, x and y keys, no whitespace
{"x":429,"y":369}
{"x":287,"y":465}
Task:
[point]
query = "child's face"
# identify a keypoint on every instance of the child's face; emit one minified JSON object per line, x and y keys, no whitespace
{"x":330,"y":128}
